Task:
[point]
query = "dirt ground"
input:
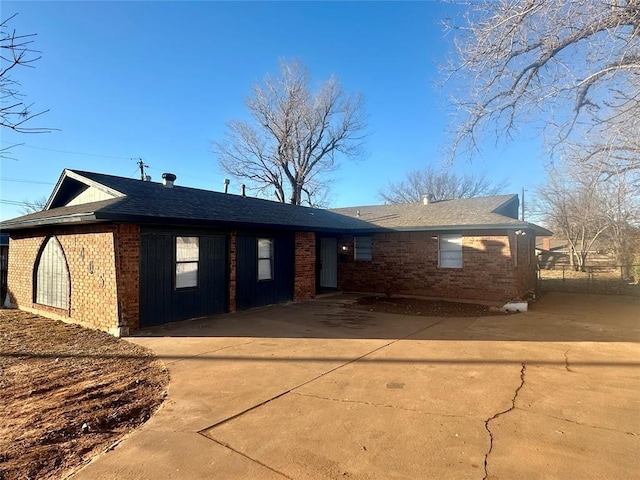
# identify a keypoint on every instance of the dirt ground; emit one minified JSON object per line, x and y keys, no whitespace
{"x":423,"y":307}
{"x":68,"y":394}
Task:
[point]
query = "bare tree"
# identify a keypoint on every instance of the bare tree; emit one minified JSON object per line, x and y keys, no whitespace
{"x":572,"y":205}
{"x":32,"y":206}
{"x":16,"y":51}
{"x":439,"y":185}
{"x":295,"y":136}
{"x":621,"y":209}
{"x":569,"y":67}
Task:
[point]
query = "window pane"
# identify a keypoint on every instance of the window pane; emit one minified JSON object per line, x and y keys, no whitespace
{"x":264,"y":247}
{"x":187,"y":249}
{"x":363,"y":248}
{"x":264,"y":269}
{"x":450,"y":251}
{"x":186,"y":274}
{"x":451,"y":259}
{"x":451,"y":242}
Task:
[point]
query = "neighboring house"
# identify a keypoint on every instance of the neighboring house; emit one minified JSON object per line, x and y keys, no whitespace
{"x":555,"y":252}
{"x":120,"y":254}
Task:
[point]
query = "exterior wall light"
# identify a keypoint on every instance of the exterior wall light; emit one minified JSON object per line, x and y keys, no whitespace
{"x":344,"y":248}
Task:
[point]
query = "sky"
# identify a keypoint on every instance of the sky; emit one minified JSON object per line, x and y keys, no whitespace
{"x":158,"y":80}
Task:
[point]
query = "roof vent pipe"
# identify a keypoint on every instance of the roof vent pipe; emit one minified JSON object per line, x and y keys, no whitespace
{"x":226,"y":185}
{"x":244,"y":193}
{"x":168,"y":179}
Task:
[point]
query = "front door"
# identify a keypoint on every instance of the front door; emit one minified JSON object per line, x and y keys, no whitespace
{"x":329,"y":262}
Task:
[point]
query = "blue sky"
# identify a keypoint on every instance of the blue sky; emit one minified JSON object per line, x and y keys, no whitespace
{"x":158,"y":80}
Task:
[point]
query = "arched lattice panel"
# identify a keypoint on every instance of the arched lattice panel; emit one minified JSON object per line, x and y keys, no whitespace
{"x":52,"y":276}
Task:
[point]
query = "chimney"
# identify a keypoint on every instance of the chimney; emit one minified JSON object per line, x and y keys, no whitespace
{"x":426,"y":199}
{"x":168,"y":179}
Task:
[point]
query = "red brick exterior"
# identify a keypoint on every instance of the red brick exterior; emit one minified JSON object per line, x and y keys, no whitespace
{"x":407,"y":263}
{"x":96,"y":257}
{"x":104,"y":270}
{"x":127,"y":256}
{"x":305,"y":266}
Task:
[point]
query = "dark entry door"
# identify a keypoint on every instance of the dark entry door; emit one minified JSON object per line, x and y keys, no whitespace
{"x":163,"y":297}
{"x":329,"y":262}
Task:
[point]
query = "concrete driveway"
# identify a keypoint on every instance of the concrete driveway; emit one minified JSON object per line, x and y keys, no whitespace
{"x":314,"y":390}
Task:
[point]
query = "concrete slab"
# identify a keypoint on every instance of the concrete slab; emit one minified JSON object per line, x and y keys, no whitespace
{"x":306,"y":437}
{"x":173,"y":456}
{"x":527,"y":446}
{"x":316,"y":390}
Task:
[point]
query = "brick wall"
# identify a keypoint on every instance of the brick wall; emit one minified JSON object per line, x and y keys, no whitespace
{"x":305,"y":266}
{"x":127,"y":256}
{"x":96,"y":256}
{"x":407,"y":263}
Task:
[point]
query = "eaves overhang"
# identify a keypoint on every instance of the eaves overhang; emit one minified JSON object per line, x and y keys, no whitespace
{"x":78,"y":219}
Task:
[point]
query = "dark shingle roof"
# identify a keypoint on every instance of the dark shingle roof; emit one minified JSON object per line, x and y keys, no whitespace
{"x":151,"y":202}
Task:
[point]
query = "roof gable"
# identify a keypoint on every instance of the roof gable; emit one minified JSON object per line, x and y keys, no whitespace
{"x":73,"y":188}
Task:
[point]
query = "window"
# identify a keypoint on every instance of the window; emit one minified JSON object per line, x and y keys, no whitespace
{"x":265,"y":259}
{"x":187,"y":257}
{"x":363,"y":248}
{"x":450,"y":249}
{"x":52,"y":276}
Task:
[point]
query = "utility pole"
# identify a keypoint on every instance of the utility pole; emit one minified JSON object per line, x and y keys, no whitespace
{"x":523,"y":204}
{"x":142,"y":166}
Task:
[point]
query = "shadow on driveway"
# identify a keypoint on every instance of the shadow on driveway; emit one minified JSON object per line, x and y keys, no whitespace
{"x":556,"y":317}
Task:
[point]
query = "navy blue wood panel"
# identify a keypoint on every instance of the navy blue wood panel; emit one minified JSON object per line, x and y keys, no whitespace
{"x":160,"y":301}
{"x":251,"y":292}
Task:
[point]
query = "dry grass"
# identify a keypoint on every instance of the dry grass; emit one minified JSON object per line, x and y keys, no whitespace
{"x":68,"y":393}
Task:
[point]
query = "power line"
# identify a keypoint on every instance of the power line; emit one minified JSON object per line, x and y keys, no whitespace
{"x":24,"y":180}
{"x":77,"y":153}
{"x":14,"y":202}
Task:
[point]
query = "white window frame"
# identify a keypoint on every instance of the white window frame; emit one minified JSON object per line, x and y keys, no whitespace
{"x":450,"y":250}
{"x":363,"y":248}
{"x":52,"y":284}
{"x":187,"y":271}
{"x":264,"y":258}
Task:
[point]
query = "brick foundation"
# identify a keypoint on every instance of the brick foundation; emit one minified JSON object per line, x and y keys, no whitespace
{"x":407,"y":263}
{"x":305,"y":266}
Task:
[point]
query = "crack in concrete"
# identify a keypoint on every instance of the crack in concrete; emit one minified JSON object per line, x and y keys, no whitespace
{"x":385,"y":405}
{"x":578,"y":423}
{"x":486,"y":423}
{"x":255,"y":460}
{"x":566,"y":361}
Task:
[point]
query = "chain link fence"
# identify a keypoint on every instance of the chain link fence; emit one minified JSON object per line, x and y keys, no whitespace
{"x":601,"y":279}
